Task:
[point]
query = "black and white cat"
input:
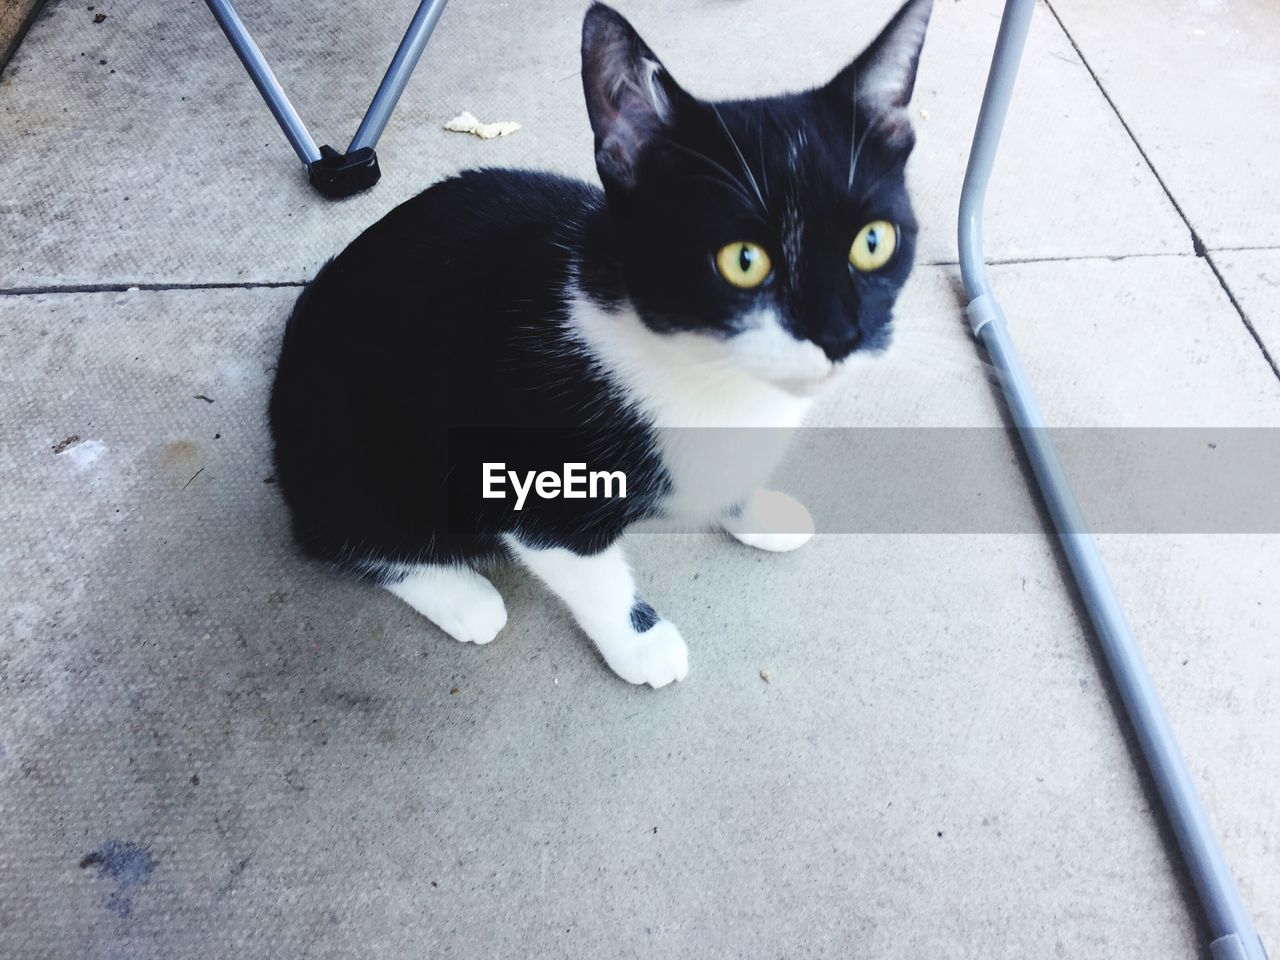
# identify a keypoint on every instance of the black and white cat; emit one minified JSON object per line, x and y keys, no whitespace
{"x":739,"y":254}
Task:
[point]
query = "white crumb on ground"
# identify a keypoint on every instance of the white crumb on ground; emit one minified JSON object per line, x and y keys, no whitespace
{"x":84,"y":453}
{"x":465,"y":122}
{"x":766,"y":676}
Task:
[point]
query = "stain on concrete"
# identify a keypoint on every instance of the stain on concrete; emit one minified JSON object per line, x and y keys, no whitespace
{"x":180,"y":460}
{"x":178,"y":453}
{"x":355,"y":700}
{"x":129,"y":865}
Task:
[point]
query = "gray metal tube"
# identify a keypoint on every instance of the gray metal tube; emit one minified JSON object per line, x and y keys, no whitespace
{"x":397,"y":75}
{"x":265,"y":80}
{"x":986,"y":139}
{"x":1229,"y":921}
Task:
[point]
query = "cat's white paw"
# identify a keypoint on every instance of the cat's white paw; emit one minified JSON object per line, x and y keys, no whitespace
{"x":774,"y":542}
{"x":772,"y":521}
{"x":655,"y":657}
{"x":477,"y":621}
{"x":456,"y":599}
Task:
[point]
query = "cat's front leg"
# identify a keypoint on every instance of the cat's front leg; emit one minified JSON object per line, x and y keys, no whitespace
{"x":636,"y":643}
{"x":456,"y":599}
{"x":771,"y":521}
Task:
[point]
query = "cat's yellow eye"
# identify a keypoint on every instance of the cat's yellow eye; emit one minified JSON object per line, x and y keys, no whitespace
{"x":873,"y":246}
{"x":744,"y":264}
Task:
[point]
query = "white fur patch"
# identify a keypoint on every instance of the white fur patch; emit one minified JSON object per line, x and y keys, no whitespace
{"x":772,"y":521}
{"x":458,"y":600}
{"x":792,"y":236}
{"x":600,"y":592}
{"x":694,"y":380}
{"x":657,"y":96}
{"x":767,"y":350}
{"x":697,"y":391}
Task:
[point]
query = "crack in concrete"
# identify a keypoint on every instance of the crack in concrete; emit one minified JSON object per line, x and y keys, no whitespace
{"x":149,"y":287}
{"x":285,"y":284}
{"x":1197,"y":245}
{"x":1079,"y":258}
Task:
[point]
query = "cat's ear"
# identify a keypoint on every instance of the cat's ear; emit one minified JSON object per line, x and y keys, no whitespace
{"x":631,"y":98}
{"x":880,"y":81}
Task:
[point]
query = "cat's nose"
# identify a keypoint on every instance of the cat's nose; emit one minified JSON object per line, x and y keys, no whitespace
{"x":838,"y":340}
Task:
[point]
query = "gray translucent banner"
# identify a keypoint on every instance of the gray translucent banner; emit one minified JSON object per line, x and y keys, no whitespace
{"x":960,"y":480}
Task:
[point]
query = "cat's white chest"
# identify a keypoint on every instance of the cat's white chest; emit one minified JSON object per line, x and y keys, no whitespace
{"x":713,"y":466}
{"x":720,"y":431}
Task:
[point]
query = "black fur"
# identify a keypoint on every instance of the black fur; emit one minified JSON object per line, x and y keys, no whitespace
{"x":439,"y":337}
{"x":445,"y":315}
{"x":643,"y":616}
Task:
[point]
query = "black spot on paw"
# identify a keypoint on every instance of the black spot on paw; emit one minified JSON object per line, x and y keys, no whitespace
{"x":643,"y":616}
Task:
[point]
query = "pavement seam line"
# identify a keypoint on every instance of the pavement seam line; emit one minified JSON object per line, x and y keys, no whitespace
{"x":1246,"y":248}
{"x":285,"y":284}
{"x":1197,"y":245}
{"x":149,"y":287}
{"x":1082,"y":258}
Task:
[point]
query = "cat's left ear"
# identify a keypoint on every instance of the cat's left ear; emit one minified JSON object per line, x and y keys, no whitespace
{"x":631,"y":98}
{"x":880,"y":81}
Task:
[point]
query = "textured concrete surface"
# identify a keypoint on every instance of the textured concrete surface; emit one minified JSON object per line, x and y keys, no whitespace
{"x":1217,"y":67}
{"x":209,"y":747}
{"x":87,"y":208}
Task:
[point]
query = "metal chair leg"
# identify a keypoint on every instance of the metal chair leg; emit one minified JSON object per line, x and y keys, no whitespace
{"x":332,"y":173}
{"x":398,"y":73}
{"x":1229,"y":921}
{"x":265,"y":80}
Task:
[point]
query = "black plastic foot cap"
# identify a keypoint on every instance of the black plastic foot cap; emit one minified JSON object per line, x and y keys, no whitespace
{"x":343,"y":174}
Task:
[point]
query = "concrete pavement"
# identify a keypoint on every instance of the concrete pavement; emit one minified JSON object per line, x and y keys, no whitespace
{"x":210,"y":747}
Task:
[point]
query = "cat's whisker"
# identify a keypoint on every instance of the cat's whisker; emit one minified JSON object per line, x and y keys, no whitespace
{"x":764,"y":167}
{"x":853,"y":133}
{"x":941,"y":326}
{"x":697,"y":155}
{"x":936,"y":354}
{"x":853,"y":163}
{"x":719,"y":182}
{"x":746,"y":168}
{"x":871,"y":186}
{"x":904,"y":345}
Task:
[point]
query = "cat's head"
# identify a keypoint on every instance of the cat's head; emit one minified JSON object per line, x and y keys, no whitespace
{"x":779,"y":229}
